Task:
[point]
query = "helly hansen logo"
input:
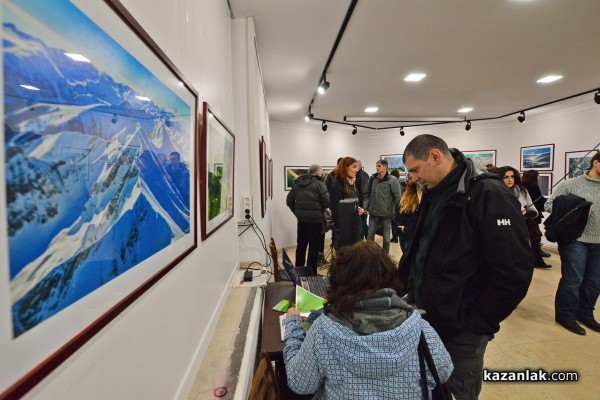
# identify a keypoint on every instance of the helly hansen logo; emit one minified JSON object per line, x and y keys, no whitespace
{"x":504,"y":221}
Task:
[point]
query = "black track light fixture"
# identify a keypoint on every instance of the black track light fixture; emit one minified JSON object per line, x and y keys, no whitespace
{"x":402,"y":131}
{"x":354,"y":130}
{"x":324,"y":125}
{"x":521,"y":118}
{"x":309,"y":115}
{"x":597,"y":97}
{"x":468,"y":126}
{"x":324,"y":86}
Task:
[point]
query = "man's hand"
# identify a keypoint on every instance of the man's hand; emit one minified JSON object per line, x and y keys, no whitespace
{"x":292,"y":311}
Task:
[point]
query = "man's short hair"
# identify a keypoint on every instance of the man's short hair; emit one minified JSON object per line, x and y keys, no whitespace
{"x":596,"y":157}
{"x":421,"y":145}
{"x":382,"y":162}
{"x":315,"y":169}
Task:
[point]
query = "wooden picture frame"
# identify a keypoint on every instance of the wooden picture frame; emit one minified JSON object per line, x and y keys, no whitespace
{"x":91,"y":250}
{"x":218,"y":152}
{"x":545,"y":183}
{"x":262,"y":153}
{"x":482,"y":157}
{"x":539,"y":158}
{"x":290,"y":174}
{"x":577,"y":162}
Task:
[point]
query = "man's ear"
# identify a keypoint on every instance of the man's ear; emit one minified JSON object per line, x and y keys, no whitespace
{"x":436,"y":156}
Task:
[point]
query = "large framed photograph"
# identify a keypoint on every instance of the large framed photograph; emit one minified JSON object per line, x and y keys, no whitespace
{"x":270,"y":178}
{"x":291,"y":173}
{"x":577,"y":162}
{"x":539,"y":158}
{"x":394,"y":162}
{"x":545,"y":183}
{"x":99,"y":179}
{"x":217,"y":161}
{"x":482,"y":157}
{"x":262,"y":154}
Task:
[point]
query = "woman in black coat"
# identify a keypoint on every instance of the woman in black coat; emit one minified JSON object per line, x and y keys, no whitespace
{"x":530,"y":182}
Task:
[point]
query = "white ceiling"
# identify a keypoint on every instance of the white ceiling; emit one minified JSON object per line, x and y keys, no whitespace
{"x":486,"y":54}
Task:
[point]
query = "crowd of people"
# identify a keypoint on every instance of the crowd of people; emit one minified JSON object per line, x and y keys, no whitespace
{"x":454,"y":220}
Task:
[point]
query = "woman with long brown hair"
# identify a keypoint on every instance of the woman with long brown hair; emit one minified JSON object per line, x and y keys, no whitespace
{"x":409,"y":204}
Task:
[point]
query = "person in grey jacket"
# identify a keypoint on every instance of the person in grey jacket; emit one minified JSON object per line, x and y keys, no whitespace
{"x":381,"y":200}
{"x":579,"y":285}
{"x":307,"y":200}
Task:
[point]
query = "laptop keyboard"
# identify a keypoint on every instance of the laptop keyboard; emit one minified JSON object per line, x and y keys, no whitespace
{"x":317,"y":285}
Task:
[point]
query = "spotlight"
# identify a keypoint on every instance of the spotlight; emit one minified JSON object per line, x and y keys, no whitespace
{"x":324,"y":125}
{"x":402,"y":131}
{"x":597,"y":97}
{"x":354,"y":130}
{"x":521,"y":118}
{"x":309,"y":115}
{"x":468,"y":126}
{"x":323,"y":86}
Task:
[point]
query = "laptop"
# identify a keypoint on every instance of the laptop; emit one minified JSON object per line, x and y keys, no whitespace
{"x":315,"y":284}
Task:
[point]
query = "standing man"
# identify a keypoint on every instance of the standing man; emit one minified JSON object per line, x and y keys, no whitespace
{"x":307,"y":200}
{"x":470,"y":263}
{"x":579,"y":284}
{"x":179,"y":174}
{"x":381,"y":200}
{"x":362,"y":179}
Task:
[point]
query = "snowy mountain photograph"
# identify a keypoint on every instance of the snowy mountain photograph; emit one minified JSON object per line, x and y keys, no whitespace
{"x":88,"y":132}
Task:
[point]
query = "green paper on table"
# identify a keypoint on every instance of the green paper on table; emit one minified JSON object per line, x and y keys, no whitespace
{"x":282,"y":306}
{"x":307,"y":301}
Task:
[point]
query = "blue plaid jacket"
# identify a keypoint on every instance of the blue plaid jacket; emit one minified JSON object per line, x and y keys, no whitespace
{"x":334,"y":362}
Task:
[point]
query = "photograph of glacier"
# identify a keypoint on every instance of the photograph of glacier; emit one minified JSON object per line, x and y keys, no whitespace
{"x":90,"y":135}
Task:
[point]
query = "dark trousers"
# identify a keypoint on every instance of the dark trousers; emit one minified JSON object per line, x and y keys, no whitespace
{"x":466,"y":351}
{"x":537,"y":252}
{"x":579,"y":285}
{"x":309,"y":235}
{"x":365,"y":227}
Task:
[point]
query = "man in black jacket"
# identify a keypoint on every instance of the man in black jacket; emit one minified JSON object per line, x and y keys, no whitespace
{"x":307,"y":200}
{"x":470,"y":263}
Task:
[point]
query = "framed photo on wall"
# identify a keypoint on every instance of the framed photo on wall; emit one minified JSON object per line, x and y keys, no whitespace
{"x":217,"y":171}
{"x":271,"y":178}
{"x":290,"y":175}
{"x":539,"y":158}
{"x":545,"y":183}
{"x":262,"y":153}
{"x":577,"y":162}
{"x":481,"y":157}
{"x":394,"y":162}
{"x":111,"y":133}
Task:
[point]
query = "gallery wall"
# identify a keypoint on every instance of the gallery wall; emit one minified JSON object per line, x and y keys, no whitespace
{"x":152,"y":350}
{"x":569,"y":127}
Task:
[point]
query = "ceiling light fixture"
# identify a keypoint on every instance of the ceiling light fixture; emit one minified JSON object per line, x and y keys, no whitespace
{"x":324,"y":125}
{"x":465,"y":110}
{"x":549,"y":79}
{"x":521,"y":118}
{"x":597,"y":97}
{"x":414,"y":77}
{"x":402,"y":131}
{"x":310,"y":115}
{"x":354,"y":130}
{"x":371,"y":109}
{"x":468,"y":126}
{"x":324,"y":86}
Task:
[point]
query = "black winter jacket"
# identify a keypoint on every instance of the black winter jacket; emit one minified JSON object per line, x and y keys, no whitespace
{"x":569,"y":217}
{"x":479,"y":264}
{"x":308,"y":198}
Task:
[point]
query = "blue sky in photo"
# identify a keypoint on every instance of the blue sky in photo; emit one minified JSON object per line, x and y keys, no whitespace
{"x":540,"y":150}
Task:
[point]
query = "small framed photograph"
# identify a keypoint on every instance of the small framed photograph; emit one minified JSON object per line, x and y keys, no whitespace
{"x":539,"y":158}
{"x":545,"y":183}
{"x":394,"y":162}
{"x":577,"y":162}
{"x":291,"y":173}
{"x":326,"y":171}
{"x":481,"y":157}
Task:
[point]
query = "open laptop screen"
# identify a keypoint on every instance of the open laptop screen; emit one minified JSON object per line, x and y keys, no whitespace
{"x":289,"y":268}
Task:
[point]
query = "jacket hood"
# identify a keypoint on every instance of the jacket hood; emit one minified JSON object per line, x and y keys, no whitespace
{"x":473,"y":173}
{"x":305,"y":180}
{"x":389,"y":350}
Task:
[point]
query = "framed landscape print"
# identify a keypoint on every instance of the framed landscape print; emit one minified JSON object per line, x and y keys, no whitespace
{"x":545,"y":183}
{"x":539,"y":158}
{"x":271,"y":178}
{"x":326,"y":171}
{"x":394,"y":162}
{"x":100,"y":166}
{"x":262,"y":153}
{"x":291,"y":173}
{"x":217,"y":160}
{"x":577,"y":162}
{"x":481,"y":157}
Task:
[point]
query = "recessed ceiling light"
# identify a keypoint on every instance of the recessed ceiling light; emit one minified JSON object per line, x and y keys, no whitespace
{"x":77,"y":57}
{"x":29,"y":87}
{"x":371,"y":109}
{"x":142,"y":98}
{"x":549,"y":78}
{"x":465,"y":110}
{"x":414,"y":77}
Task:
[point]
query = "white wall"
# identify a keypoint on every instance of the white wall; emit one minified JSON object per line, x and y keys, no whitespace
{"x":570,"y":128}
{"x":153,"y":349}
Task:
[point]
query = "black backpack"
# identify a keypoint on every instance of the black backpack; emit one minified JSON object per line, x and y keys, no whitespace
{"x":568,"y":219}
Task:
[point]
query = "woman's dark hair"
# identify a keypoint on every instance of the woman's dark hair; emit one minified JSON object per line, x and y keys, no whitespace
{"x":395,"y":173}
{"x":358,"y":271}
{"x":530,"y":178}
{"x":517,"y":174}
{"x":340,"y":173}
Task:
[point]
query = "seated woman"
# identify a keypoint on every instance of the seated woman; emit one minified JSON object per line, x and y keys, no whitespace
{"x":364,"y":344}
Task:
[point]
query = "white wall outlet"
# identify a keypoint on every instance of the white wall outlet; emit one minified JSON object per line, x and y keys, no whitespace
{"x":247,"y":202}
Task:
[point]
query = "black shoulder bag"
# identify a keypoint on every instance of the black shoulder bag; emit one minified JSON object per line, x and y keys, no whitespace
{"x":440,"y":392}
